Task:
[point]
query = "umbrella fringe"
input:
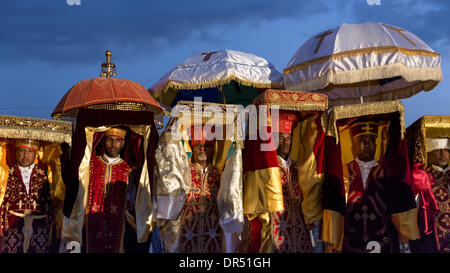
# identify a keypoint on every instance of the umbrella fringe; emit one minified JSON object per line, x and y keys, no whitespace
{"x":368,"y":74}
{"x":396,"y":94}
{"x":33,"y":128}
{"x":40,"y":135}
{"x":216,"y":83}
{"x":365,"y":109}
{"x":358,"y":52}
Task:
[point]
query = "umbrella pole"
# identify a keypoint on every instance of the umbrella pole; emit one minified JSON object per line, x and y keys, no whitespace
{"x":360,"y":95}
{"x":220,"y":88}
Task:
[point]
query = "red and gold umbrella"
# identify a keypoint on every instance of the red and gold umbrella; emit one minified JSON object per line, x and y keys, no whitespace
{"x":106,"y":93}
{"x":94,"y":105}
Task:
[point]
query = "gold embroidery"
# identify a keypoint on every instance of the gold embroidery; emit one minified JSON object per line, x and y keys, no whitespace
{"x":364,"y":109}
{"x":293,"y":100}
{"x":34,"y":128}
{"x":39,"y":172}
{"x":28,"y":226}
{"x":12,"y":240}
{"x":426,"y":127}
{"x":95,"y":207}
{"x":441,"y":194}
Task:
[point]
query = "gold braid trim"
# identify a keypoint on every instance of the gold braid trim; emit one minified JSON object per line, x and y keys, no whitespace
{"x":295,"y":107}
{"x":324,"y":120}
{"x":434,"y":126}
{"x":416,"y":143}
{"x":179,"y":86}
{"x":364,"y":109}
{"x":427,"y":127}
{"x":359,"y":52}
{"x":196,"y":114}
{"x":293,"y":100}
{"x":34,"y":128}
{"x":436,"y":122}
{"x":120,"y":106}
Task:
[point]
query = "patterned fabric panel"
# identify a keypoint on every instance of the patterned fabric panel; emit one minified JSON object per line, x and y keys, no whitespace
{"x":201,"y":231}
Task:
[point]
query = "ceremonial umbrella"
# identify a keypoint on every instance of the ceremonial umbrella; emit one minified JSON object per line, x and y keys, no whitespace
{"x":224,"y":76}
{"x":95,"y":105}
{"x":364,"y":62}
{"x":106,"y":93}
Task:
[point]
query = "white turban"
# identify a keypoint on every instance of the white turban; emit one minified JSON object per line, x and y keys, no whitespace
{"x":437,"y":143}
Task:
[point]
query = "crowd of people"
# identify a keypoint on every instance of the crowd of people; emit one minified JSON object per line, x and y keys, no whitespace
{"x":374,"y":209}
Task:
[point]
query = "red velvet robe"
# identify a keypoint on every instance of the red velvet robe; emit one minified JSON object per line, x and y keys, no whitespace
{"x":201,"y":231}
{"x":288,"y":226}
{"x":26,"y":219}
{"x":441,"y":191}
{"x":105,"y":218}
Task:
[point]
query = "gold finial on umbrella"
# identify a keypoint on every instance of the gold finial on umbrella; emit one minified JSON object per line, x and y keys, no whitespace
{"x":108,"y":68}
{"x":117,"y":94}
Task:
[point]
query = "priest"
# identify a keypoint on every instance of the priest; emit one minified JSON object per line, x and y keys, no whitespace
{"x":290,"y":233}
{"x":378,"y":206}
{"x":435,"y":224}
{"x":200,"y":227}
{"x":440,"y":171}
{"x":27,"y":211}
{"x":104,"y":220}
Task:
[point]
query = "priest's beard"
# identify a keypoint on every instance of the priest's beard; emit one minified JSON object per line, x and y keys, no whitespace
{"x":443,"y":163}
{"x":202,"y":157}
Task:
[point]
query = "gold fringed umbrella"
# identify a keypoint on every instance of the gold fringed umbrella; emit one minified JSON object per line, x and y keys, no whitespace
{"x":223,"y":76}
{"x":365,"y":62}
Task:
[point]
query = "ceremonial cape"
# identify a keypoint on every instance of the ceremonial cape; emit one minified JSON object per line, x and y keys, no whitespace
{"x":26,"y":218}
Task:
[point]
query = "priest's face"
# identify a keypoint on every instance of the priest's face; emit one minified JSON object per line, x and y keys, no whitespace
{"x":284,"y":146}
{"x":202,"y":152}
{"x":440,"y":157}
{"x":366,"y":147}
{"x":113,"y":146}
{"x":25,"y":156}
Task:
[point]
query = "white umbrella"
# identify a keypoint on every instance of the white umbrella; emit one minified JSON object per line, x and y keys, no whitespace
{"x":369,"y":61}
{"x":215,"y":69}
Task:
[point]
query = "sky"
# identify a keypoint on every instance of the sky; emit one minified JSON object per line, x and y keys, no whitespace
{"x":47,"y":46}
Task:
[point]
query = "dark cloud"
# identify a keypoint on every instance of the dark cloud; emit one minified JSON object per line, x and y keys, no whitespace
{"x":429,"y":20}
{"x":52,"y":31}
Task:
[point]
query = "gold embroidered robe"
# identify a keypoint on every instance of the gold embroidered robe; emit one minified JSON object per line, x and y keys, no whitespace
{"x":289,"y":232}
{"x":26,"y":218}
{"x":200,"y":227}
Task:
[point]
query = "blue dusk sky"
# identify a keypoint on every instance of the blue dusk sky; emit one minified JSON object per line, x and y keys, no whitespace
{"x":47,"y":46}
